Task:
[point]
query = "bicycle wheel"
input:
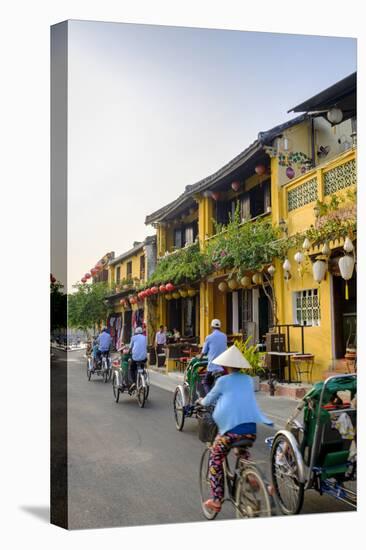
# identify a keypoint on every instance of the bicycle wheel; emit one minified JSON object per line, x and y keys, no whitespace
{"x":141,"y":391}
{"x":289,"y":490}
{"x":252,"y":498}
{"x":178,"y":409}
{"x":205,"y":490}
{"x":116,"y":390}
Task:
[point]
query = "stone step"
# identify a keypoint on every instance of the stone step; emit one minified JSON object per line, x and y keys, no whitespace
{"x":292,"y":391}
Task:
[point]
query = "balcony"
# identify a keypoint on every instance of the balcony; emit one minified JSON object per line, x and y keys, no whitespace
{"x":301,"y":194}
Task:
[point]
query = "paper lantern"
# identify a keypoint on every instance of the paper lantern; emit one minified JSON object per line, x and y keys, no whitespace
{"x":168,"y":296}
{"x":233,"y":284}
{"x":154,"y":290}
{"x":348,"y":246}
{"x":162,"y":288}
{"x":235,"y":186}
{"x":222,"y":286}
{"x":260,"y":169}
{"x":53,"y":279}
{"x":334,"y":115}
{"x":87,"y":275}
{"x":191,"y":292}
{"x":325,"y":249}
{"x":290,"y":172}
{"x":271,"y":270}
{"x":83,"y":280}
{"x":169,"y":287}
{"x":215,"y":195}
{"x":319,"y":270}
{"x":176,"y":295}
{"x":299,"y":257}
{"x":346,"y":266}
{"x":183,"y":293}
{"x":286,"y":265}
{"x":245,"y":281}
{"x":257,"y":278}
{"x":306,"y":244}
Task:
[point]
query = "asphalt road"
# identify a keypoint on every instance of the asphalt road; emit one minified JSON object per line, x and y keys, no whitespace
{"x":130,"y":466}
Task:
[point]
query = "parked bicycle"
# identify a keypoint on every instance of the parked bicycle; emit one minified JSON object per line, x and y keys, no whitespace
{"x":245,"y":486}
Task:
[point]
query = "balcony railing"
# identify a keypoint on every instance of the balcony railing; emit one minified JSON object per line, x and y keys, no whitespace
{"x":322,"y":181}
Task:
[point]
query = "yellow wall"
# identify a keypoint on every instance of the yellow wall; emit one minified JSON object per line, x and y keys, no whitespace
{"x":135,"y":259}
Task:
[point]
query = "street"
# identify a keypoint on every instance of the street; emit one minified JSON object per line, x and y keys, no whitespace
{"x":130,"y":466}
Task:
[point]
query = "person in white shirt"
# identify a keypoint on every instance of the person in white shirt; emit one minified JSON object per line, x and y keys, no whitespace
{"x":160,"y":342}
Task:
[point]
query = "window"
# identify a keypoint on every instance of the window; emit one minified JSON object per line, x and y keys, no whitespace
{"x":142,"y":267}
{"x":307,"y":307}
{"x":185,"y":235}
{"x":188,"y":235}
{"x":129,"y":270}
{"x":178,"y":241}
{"x":118,"y":274}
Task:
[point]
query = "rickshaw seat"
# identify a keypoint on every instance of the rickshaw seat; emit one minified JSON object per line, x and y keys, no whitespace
{"x":331,"y":440}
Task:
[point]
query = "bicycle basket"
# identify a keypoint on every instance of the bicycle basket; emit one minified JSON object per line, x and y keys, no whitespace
{"x":207,"y":427}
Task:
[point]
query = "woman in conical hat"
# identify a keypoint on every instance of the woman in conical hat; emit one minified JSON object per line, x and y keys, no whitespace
{"x":236,"y":415}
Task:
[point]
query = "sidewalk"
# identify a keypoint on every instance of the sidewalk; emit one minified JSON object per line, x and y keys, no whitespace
{"x":276,"y":408}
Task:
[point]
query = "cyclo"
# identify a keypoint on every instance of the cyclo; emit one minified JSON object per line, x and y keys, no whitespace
{"x":186,"y":394}
{"x":122,"y":379}
{"x":100,"y":366}
{"x":319,"y":453}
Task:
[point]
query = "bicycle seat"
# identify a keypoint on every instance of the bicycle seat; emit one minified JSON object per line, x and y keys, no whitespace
{"x":244,"y":443}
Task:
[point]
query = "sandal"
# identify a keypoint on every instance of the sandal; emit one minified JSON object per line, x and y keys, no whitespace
{"x":213,"y":505}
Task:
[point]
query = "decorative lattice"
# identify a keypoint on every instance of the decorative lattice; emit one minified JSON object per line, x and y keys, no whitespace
{"x":340,"y":177}
{"x":307,"y":307}
{"x":303,"y":194}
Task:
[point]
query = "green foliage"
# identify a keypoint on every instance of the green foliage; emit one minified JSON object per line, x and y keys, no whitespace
{"x":184,"y":265}
{"x":253,"y":356}
{"x":245,"y":246}
{"x":86,"y":307}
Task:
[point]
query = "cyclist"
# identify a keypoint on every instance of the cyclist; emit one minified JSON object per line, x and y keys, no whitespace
{"x":236,"y":414}
{"x":138,"y":349}
{"x":214,"y":345}
{"x":104,"y":342}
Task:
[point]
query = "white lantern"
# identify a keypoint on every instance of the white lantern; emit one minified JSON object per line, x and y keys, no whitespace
{"x":271,"y":270}
{"x":257,"y":278}
{"x":222,"y":286}
{"x":326,"y":249}
{"x":348,"y":246}
{"x":299,"y":257}
{"x":319,"y":270}
{"x":286,"y":265}
{"x":306,"y":244}
{"x":335,"y":115}
{"x":346,"y":266}
{"x":245,"y":281}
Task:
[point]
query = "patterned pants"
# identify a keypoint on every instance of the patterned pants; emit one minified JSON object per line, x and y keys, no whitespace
{"x":219,"y":450}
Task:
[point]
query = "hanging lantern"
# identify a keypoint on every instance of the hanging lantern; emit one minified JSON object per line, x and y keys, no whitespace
{"x":191,"y":292}
{"x":93,"y":271}
{"x":306,"y":244}
{"x":346,"y":266}
{"x":183,"y":293}
{"x":168,"y":296}
{"x":271,"y":270}
{"x":299,"y":257}
{"x":176,"y":295}
{"x":53,"y":279}
{"x":169,"y":287}
{"x":162,"y":288}
{"x":235,"y":186}
{"x":335,"y":115}
{"x":83,"y":280}
{"x":257,"y":278}
{"x":326,"y":249}
{"x":154,"y":290}
{"x":290,"y":172}
{"x":245,"y":281}
{"x":233,"y":284}
{"x":223,"y":286}
{"x":319,"y":270}
{"x":260,"y":169}
{"x":87,"y":275}
{"x":348,"y":246}
{"x":286,"y":265}
{"x":215,"y":195}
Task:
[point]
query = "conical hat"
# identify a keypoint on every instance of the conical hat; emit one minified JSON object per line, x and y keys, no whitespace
{"x":233,"y":358}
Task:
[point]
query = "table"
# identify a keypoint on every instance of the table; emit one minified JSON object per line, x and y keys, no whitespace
{"x":288,"y":355}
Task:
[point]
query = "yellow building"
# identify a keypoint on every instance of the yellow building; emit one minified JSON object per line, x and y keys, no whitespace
{"x":127,"y":273}
{"x":286,"y":176}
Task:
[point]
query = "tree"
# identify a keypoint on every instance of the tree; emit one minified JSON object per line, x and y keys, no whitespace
{"x":87,"y":307}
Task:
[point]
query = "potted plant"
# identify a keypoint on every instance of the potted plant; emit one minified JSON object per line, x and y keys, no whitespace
{"x":254,"y":358}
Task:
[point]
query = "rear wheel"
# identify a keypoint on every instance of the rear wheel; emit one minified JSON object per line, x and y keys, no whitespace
{"x":141,"y":391}
{"x":178,"y":409}
{"x":116,"y":390}
{"x":205,"y":484}
{"x":285,"y":476}
{"x":252,"y":498}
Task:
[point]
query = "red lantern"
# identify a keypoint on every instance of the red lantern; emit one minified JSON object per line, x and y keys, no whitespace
{"x":260,"y":169}
{"x":235,"y":186}
{"x":87,"y":275}
{"x":154,"y":290}
{"x":215,"y":195}
{"x":93,"y":271}
{"x":162,"y":288}
{"x":53,"y":279}
{"x":169,"y":287}
{"x":83,"y":280}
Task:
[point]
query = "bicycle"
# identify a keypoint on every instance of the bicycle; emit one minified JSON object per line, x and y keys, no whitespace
{"x":106,"y":366}
{"x":122,"y":382}
{"x":244,"y":485}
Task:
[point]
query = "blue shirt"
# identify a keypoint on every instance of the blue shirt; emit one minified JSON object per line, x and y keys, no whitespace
{"x":104,"y":341}
{"x":138,"y":346}
{"x":215,"y":344}
{"x":235,"y":402}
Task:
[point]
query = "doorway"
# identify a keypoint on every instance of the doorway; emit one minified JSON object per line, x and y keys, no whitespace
{"x":345,"y":315}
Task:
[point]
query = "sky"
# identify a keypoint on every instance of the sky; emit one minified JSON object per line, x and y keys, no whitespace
{"x":152,"y":109}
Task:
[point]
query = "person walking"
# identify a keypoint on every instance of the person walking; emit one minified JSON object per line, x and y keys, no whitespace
{"x":160,"y":342}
